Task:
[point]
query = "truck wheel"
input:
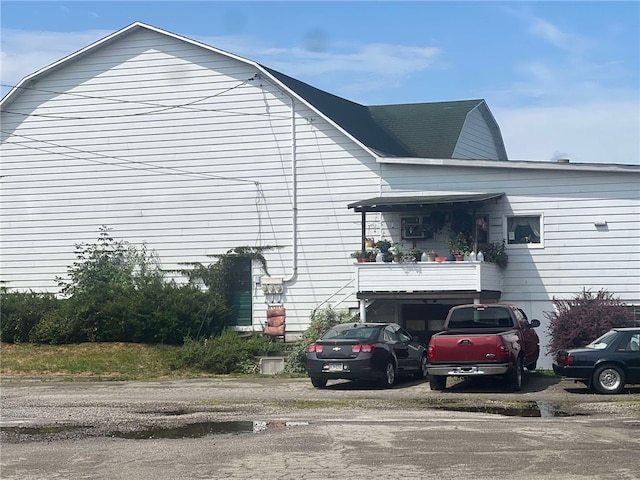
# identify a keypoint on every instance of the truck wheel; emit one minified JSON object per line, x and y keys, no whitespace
{"x":608,"y":379}
{"x":389,"y":377}
{"x":422,"y":369}
{"x":437,"y":382}
{"x":318,"y":382}
{"x":514,"y":381}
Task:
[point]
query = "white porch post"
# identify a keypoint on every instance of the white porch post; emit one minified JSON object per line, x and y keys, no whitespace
{"x":363,"y":310}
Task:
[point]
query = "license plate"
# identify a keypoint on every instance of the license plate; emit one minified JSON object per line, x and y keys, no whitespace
{"x":335,"y":367}
{"x":466,"y":370}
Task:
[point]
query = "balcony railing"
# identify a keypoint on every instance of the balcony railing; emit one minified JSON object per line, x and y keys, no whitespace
{"x":427,"y":277}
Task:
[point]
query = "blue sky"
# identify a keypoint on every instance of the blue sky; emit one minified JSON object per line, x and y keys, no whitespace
{"x":561,"y":78}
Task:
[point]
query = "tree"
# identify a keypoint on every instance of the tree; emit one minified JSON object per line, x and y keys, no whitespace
{"x":576,"y":322}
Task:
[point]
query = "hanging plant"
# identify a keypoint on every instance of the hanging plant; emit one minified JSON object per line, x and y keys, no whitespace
{"x":496,"y":252}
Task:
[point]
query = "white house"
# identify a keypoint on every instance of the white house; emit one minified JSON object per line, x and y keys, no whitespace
{"x":194,"y":151}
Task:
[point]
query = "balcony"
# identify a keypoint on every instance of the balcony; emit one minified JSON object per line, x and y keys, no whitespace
{"x":471,"y":280}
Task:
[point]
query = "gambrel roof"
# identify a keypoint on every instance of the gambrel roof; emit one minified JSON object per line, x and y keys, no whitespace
{"x":424,"y":130}
{"x":419,"y":130}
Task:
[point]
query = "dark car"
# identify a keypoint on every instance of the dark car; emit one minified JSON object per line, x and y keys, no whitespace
{"x":606,"y":364}
{"x":366,"y":351}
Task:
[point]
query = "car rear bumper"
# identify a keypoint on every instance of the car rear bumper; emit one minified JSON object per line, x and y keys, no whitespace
{"x":350,"y":369}
{"x":573,"y":372}
{"x":469,"y":370}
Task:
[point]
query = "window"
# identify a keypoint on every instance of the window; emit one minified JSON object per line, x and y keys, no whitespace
{"x":524,"y":229}
{"x":416,"y":227}
{"x":390,"y":335}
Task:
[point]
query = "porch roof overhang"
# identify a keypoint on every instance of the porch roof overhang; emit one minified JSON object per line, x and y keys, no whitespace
{"x":407,"y":203}
{"x":484,"y":296}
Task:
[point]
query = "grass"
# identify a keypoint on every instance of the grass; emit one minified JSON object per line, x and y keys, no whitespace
{"x":99,"y":361}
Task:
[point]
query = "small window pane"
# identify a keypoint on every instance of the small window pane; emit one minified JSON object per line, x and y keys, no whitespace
{"x":523,"y":230}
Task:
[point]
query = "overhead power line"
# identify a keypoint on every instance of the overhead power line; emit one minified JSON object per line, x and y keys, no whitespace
{"x":124,"y":162}
{"x":159,"y":108}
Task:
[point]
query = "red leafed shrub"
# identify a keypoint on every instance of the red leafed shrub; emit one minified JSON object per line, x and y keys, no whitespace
{"x":585,"y":317}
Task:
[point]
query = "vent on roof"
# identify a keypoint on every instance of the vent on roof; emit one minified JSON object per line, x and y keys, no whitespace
{"x":563,"y":160}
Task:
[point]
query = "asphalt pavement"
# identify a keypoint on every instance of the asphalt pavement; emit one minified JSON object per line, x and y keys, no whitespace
{"x":278,"y":428}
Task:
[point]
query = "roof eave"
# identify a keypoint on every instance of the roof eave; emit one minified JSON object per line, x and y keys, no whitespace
{"x":510,"y":164}
{"x":404,"y":203}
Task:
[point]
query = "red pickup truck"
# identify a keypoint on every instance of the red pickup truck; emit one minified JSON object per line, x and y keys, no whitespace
{"x":482,"y":340}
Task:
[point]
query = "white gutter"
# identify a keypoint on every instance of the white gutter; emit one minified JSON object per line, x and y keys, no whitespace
{"x":512,"y":164}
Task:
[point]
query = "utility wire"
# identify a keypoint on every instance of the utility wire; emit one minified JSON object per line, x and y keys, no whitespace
{"x":160,"y":107}
{"x":125,"y":162}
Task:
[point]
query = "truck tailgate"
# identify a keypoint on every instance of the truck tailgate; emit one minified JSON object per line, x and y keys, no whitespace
{"x":467,"y":347}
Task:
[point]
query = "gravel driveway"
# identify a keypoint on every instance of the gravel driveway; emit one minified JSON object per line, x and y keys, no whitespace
{"x":275,"y":428}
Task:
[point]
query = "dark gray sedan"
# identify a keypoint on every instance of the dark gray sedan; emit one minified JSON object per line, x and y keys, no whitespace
{"x":366,"y":351}
{"x":606,"y":364}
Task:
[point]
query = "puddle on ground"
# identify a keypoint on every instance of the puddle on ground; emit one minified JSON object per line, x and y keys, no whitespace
{"x":530,"y":409}
{"x":51,"y":430}
{"x":199,"y":430}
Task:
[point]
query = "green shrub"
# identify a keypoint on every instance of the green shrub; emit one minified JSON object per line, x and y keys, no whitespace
{"x":576,"y":322}
{"x":116,"y":292}
{"x":321,"y":321}
{"x":227,"y":353}
{"x":20,"y":312}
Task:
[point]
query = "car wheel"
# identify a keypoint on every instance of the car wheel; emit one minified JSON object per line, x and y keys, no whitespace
{"x":389,"y":377}
{"x":437,"y":382}
{"x":422,"y":369}
{"x":608,"y":379}
{"x":318,"y":382}
{"x":514,"y":383}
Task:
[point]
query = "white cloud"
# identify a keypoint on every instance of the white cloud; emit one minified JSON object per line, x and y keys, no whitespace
{"x":596,"y":132}
{"x":24,"y":52}
{"x":397,"y":60}
{"x":554,"y":35}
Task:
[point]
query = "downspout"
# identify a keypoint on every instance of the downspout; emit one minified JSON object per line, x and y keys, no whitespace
{"x":294,"y":196}
{"x":363,"y":301}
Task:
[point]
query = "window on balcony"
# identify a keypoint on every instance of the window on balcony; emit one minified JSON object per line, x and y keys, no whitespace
{"x":524,"y":229}
{"x":418,"y":227}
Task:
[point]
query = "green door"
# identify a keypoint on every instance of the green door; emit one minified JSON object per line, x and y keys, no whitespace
{"x":239,"y":292}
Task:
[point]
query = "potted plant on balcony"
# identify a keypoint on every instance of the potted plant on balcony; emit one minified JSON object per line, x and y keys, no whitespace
{"x":416,"y":253}
{"x":429,"y":256}
{"x":496,"y":252}
{"x":367,"y":256}
{"x":383,"y":245}
{"x":458,"y":244}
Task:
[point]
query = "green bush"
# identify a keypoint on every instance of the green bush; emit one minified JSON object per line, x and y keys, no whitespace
{"x":20,"y":312}
{"x":576,"y":322}
{"x":321,"y":321}
{"x":116,"y":292}
{"x":226,"y":353}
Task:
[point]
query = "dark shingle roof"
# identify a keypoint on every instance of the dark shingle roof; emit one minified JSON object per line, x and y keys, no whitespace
{"x":352,"y":117}
{"x":427,"y":130}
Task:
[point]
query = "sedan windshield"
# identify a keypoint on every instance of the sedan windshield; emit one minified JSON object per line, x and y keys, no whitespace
{"x":602,"y":342}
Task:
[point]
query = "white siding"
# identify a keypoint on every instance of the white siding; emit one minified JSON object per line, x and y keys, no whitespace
{"x":475,"y":140}
{"x":182,"y":148}
{"x":575,"y":255}
{"x":171,"y":144}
